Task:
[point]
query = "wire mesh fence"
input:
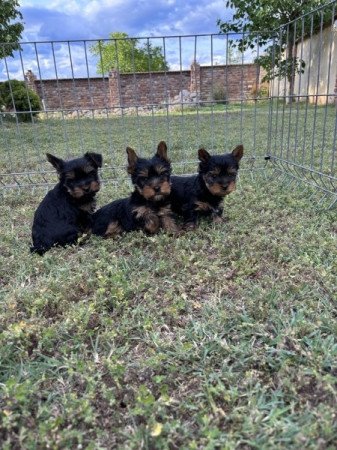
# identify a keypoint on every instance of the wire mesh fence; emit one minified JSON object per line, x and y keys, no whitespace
{"x":69,"y":97}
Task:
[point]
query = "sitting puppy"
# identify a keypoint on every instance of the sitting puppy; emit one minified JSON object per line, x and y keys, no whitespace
{"x":66,"y":210}
{"x":148,"y":207}
{"x":202,"y":194}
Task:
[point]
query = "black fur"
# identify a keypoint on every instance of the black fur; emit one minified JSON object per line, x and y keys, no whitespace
{"x":202,"y":194}
{"x":148,"y":207}
{"x":65,"y":212}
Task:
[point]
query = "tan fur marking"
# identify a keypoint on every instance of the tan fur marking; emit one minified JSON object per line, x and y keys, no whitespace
{"x":141,"y":211}
{"x":94,"y":186}
{"x":165,"y":188}
{"x":216,"y":189}
{"x":76,"y":192}
{"x":143,"y":173}
{"x":231,"y":187}
{"x":169,"y":225}
{"x":152,"y":222}
{"x":160,"y":169}
{"x":202,"y":206}
{"x":167,"y":221}
{"x":147,"y":192}
{"x":162,"y":151}
{"x":113,"y":230}
{"x":164,"y":211}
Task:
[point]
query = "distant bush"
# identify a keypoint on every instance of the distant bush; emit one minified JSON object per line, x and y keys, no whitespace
{"x":259,"y":92}
{"x":14,"y":95}
{"x":220,"y":94}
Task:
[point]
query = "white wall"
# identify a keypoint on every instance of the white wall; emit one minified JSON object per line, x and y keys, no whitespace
{"x":320,"y":74}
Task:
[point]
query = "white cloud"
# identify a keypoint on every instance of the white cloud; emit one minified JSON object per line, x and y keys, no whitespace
{"x":98,"y":18}
{"x":91,"y":9}
{"x":58,"y":20}
{"x":69,"y":6}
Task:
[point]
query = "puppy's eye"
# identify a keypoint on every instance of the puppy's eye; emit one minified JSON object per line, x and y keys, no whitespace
{"x":232,"y":172}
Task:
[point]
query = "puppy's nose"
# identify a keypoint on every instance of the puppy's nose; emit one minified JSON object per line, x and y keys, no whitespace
{"x":156,"y":188}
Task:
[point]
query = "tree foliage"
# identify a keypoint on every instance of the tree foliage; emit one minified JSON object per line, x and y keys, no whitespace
{"x":125,"y":54}
{"x":15,"y":96}
{"x":11,"y":27}
{"x":273,"y":25}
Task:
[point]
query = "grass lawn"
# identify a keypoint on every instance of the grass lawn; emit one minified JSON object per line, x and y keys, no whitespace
{"x":225,"y":337}
{"x":298,"y":133}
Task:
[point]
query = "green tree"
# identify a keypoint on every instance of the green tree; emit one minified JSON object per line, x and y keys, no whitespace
{"x":15,"y":96}
{"x":272,"y":24}
{"x":126,"y":55}
{"x":10,"y":29}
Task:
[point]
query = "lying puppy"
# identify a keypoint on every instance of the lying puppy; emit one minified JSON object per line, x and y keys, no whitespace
{"x":202,"y":194}
{"x":65,"y":212}
{"x":148,"y":207}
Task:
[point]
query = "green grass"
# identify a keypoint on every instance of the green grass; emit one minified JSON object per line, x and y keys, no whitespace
{"x":300,"y":134}
{"x":225,"y":337}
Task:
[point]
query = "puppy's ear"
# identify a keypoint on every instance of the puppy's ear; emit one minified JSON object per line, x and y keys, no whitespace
{"x":94,"y":158}
{"x":238,"y":152}
{"x":132,"y":160}
{"x":162,"y":151}
{"x":203,"y":155}
{"x":58,"y":163}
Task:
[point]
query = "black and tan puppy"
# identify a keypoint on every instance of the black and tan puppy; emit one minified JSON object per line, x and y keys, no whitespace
{"x":148,"y":207}
{"x":202,"y":194}
{"x":65,"y":212}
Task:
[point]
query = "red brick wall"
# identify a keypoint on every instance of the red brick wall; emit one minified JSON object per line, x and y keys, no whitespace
{"x":152,"y":88}
{"x":237,"y":81}
{"x":142,"y":89}
{"x":80,"y":93}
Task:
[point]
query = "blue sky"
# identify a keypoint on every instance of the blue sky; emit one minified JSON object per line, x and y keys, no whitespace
{"x":79,"y":19}
{"x":63,"y":20}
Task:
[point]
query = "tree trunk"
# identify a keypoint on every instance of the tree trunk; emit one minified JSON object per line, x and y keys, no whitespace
{"x":291,"y":71}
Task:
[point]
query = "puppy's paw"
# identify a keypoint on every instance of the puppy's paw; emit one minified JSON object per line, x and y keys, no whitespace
{"x":189,"y":226}
{"x":218,"y":219}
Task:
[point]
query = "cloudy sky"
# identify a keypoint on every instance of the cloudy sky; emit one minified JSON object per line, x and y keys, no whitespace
{"x":80,"y":19}
{"x":68,"y":20}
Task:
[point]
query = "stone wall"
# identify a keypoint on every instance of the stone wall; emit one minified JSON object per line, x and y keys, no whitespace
{"x":146,"y":89}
